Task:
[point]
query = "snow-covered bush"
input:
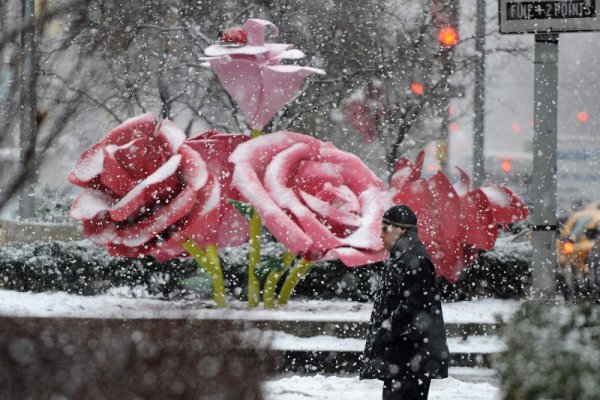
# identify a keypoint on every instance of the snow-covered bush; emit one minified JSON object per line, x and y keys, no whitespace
{"x":552,"y":352}
{"x":504,"y":272}
{"x":52,"y":206}
{"x":83,"y":268}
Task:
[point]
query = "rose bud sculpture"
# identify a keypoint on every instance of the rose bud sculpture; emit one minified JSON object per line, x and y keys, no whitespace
{"x":251,"y":71}
{"x":454,"y":221}
{"x":149,"y":193}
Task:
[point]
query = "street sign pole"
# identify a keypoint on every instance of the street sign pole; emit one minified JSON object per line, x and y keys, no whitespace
{"x":544,"y":222}
{"x":546,"y":19}
{"x":479,"y":98}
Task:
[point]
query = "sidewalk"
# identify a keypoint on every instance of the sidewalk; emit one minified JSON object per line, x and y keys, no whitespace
{"x":320,"y":387}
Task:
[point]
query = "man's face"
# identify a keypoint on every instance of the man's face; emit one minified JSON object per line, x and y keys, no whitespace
{"x":389,"y":235}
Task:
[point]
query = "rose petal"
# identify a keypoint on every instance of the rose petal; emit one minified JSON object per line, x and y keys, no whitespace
{"x":354,"y":257}
{"x":464,"y":184}
{"x":161,"y":179}
{"x":329,"y":211}
{"x":507,"y":207}
{"x":256,"y":30}
{"x":445,"y":206}
{"x":477,"y":219}
{"x":114,"y":176}
{"x":154,"y":224}
{"x":356,"y":174}
{"x":90,"y":163}
{"x":280,"y":84}
{"x":312,"y":176}
{"x":340,"y":196}
{"x":448,"y":258}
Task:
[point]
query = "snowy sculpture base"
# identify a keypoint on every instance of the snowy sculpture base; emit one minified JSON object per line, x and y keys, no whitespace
{"x":119,"y":359}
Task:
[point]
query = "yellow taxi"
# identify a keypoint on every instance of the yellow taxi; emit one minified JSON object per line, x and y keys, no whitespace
{"x":577,"y":237}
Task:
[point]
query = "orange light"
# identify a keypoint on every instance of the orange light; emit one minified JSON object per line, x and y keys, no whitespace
{"x":582,"y":116}
{"x":506,"y":166}
{"x":516,"y":127}
{"x":417,"y":88}
{"x":448,"y":36}
{"x":568,"y":247}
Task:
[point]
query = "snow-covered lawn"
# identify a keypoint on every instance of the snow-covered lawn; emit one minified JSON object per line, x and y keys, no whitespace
{"x":323,"y":387}
{"x":122,"y":304}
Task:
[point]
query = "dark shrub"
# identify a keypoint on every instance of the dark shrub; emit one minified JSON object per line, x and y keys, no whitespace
{"x":552,"y":352}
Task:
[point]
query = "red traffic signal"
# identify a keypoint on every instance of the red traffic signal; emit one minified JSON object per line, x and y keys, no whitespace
{"x":448,"y":36}
{"x":417,"y":88}
{"x":582,"y":116}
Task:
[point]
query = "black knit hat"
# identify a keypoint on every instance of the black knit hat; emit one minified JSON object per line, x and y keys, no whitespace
{"x":401,"y":216}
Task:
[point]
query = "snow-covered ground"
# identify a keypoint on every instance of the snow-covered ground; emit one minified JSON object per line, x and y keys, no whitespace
{"x":123,"y":305}
{"x":463,"y":383}
{"x":323,"y":387}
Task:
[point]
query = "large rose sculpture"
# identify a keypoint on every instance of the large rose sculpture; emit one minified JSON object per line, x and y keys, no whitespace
{"x":253,"y":74}
{"x":147,"y":191}
{"x":455,"y":222}
{"x":317,"y":200}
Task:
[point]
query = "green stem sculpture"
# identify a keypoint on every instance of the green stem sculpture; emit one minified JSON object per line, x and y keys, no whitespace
{"x":209,"y":260}
{"x":295,"y":276}
{"x":254,"y":251}
{"x":273,"y":279}
{"x":253,"y":260}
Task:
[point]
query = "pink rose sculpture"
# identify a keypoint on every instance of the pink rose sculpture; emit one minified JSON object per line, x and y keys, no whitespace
{"x":317,"y":200}
{"x":455,"y":222}
{"x":252,"y":72}
{"x":215,"y":148}
{"x":147,"y":191}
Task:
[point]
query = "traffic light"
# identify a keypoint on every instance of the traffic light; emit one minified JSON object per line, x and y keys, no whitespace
{"x":582,"y":116}
{"x":445,"y":19}
{"x":417,"y":88}
{"x":447,"y":36}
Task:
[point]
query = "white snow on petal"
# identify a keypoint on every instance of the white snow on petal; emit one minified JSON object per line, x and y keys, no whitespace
{"x":274,"y":180}
{"x":195,"y":172}
{"x":373,"y":203}
{"x":89,"y":203}
{"x":218,"y":50}
{"x":497,"y":196}
{"x":105,"y":236}
{"x":213,"y":201}
{"x":172,"y":134}
{"x":90,"y":166}
{"x":296,"y":68}
{"x":292,"y":54}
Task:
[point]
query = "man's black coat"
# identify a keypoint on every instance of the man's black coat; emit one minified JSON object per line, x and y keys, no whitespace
{"x":406,"y":337}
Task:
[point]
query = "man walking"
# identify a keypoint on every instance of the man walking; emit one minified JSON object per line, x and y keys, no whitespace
{"x":406,"y":343}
